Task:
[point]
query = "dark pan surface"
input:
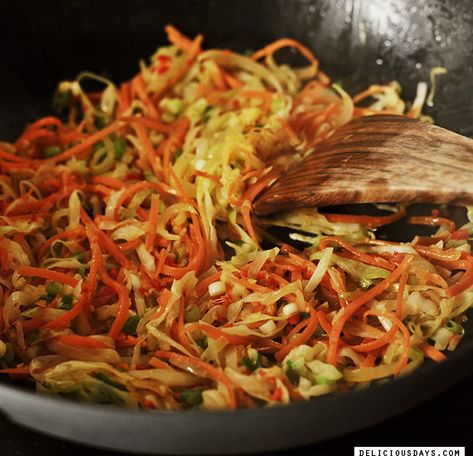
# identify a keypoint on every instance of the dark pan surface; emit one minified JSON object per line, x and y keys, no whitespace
{"x":359,"y":43}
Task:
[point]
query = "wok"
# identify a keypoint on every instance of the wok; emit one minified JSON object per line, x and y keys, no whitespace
{"x":358,"y":43}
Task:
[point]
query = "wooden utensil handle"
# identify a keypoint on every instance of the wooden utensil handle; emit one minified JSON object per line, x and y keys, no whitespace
{"x":381,"y":158}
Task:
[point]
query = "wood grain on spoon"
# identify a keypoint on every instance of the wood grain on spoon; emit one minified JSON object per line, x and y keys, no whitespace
{"x":381,"y":158}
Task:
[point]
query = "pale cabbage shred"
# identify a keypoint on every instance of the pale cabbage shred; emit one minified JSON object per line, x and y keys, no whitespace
{"x":221,"y":143}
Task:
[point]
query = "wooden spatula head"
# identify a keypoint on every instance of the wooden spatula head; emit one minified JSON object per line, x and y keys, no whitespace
{"x":381,"y":158}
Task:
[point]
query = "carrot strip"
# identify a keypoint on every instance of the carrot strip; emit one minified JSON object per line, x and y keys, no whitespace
{"x":87,"y":143}
{"x":76,"y":233}
{"x":19,"y":370}
{"x":148,"y":122}
{"x":212,"y":372}
{"x":302,"y":338}
{"x":123,"y":306}
{"x":30,"y":271}
{"x":433,"y":221}
{"x":65,"y":320}
{"x":216,"y":333}
{"x":466,"y":280}
{"x":431,"y":352}
{"x":366,"y":220}
{"x":386,"y":338}
{"x":286,"y":42}
{"x":402,"y":327}
{"x":178,"y":39}
{"x":346,"y":312}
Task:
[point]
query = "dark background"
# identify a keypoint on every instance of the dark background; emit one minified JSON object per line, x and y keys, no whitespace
{"x":359,"y":42}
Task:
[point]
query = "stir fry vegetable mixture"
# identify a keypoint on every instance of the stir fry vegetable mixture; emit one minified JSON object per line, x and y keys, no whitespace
{"x":134,"y":271}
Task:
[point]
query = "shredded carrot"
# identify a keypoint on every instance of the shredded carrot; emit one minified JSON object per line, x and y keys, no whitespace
{"x":212,"y":372}
{"x":178,"y":39}
{"x":433,"y":221}
{"x":366,"y":220}
{"x":87,"y":143}
{"x":285,"y":42}
{"x":432,"y":353}
{"x":466,"y":280}
{"x":346,"y":312}
{"x":216,"y":333}
{"x":30,"y":271}
{"x":303,"y":337}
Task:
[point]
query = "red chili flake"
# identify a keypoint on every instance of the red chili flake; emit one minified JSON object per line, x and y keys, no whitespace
{"x":293,"y":320}
{"x":143,"y":291}
{"x":277,"y":395}
{"x":148,"y":404}
{"x":163,"y":58}
{"x":236,"y":104}
{"x":435,"y":212}
{"x":460,"y":234}
{"x":114,"y":273}
{"x":131,"y":176}
{"x":163,"y":69}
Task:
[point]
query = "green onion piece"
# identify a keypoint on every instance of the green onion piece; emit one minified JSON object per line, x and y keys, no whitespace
{"x":67,"y":301}
{"x":53,"y":288}
{"x":203,"y":342}
{"x":130,"y":325}
{"x":100,"y":122}
{"x":291,"y":373}
{"x":79,"y":256}
{"x":191,"y":397}
{"x":61,"y":100}
{"x":304,"y":315}
{"x":250,"y":364}
{"x":454,"y":327}
{"x":191,"y":314}
{"x":47,"y":298}
{"x":98,"y":146}
{"x":51,"y":151}
{"x":207,"y":112}
{"x":119,"y":146}
{"x":106,"y":379}
{"x":176,"y":155}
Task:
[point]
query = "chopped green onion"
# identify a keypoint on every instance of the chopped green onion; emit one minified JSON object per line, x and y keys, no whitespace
{"x":130,"y":325}
{"x":67,"y":301}
{"x":207,"y":113}
{"x":47,"y":298}
{"x":97,"y":146}
{"x":119,"y":146}
{"x":203,"y":342}
{"x":106,"y":379}
{"x":51,"y":151}
{"x":100,"y":122}
{"x":176,"y":155}
{"x":291,"y":373}
{"x":53,"y":288}
{"x":191,"y":397}
{"x":79,"y":256}
{"x":61,"y":100}
{"x":250,"y":364}
{"x":454,"y":327}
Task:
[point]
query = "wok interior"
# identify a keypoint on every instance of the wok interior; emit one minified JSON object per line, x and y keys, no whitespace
{"x":358,"y":43}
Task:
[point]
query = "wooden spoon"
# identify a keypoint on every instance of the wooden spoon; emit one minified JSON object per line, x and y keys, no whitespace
{"x":375,"y":159}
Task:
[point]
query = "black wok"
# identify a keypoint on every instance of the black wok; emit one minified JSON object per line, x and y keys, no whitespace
{"x":359,"y":43}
